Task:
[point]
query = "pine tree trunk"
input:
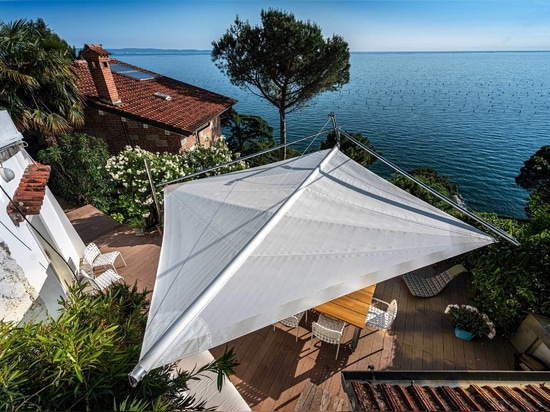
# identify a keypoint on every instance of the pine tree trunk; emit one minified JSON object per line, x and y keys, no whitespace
{"x":282,"y":125}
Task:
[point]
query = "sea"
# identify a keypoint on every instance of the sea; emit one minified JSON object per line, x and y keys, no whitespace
{"x":476,"y":117}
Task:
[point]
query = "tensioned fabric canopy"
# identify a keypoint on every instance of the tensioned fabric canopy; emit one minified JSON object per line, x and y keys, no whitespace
{"x":246,"y":249}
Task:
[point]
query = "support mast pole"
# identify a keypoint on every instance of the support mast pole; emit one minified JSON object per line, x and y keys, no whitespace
{"x":336,"y":130}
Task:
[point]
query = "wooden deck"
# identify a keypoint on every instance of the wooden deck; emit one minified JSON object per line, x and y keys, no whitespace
{"x":140,"y":252}
{"x":274,"y":369}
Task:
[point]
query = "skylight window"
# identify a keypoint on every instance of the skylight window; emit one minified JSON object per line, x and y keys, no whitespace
{"x":163,"y":96}
{"x":128,"y":71}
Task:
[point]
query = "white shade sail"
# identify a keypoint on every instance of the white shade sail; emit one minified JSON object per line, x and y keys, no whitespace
{"x":246,"y":249}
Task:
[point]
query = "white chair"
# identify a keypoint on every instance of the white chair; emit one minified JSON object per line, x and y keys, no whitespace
{"x":293,"y":322}
{"x":379,"y":318}
{"x":95,"y":258}
{"x":328,"y":330}
{"x":102,"y":281}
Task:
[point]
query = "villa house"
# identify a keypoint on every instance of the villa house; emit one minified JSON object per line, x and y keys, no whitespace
{"x":129,"y":106}
{"x":36,"y":238}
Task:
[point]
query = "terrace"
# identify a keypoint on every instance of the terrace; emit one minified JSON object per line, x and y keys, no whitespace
{"x":275,"y":369}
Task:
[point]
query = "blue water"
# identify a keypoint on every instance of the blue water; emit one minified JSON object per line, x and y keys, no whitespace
{"x":475,"y":117}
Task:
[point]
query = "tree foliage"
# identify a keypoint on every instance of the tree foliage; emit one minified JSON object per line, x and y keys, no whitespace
{"x":351,"y":149}
{"x":535,"y":174}
{"x":508,"y":281}
{"x":81,"y":361}
{"x":78,"y":170}
{"x":436,"y":181}
{"x":249,"y":134}
{"x":38,"y":87}
{"x":283,"y":60}
{"x":511,"y":281}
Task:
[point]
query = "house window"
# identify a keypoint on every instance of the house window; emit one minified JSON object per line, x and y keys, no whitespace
{"x":145,"y":126}
{"x":167,"y":132}
{"x":101,"y":112}
{"x":122,"y":119}
{"x":105,"y":64}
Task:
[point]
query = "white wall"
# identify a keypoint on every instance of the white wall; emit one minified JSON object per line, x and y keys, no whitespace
{"x":27,"y":249}
{"x":22,"y":244}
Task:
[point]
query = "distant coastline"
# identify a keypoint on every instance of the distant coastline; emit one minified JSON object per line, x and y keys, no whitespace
{"x":136,"y":50}
{"x":154,"y":51}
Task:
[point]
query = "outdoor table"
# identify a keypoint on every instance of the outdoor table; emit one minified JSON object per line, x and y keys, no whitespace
{"x":351,"y":308}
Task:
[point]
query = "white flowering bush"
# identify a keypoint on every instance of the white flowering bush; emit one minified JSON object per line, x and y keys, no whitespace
{"x":201,"y":157}
{"x":470,"y":319}
{"x":135,"y":197}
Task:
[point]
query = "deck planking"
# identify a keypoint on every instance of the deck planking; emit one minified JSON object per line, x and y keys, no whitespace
{"x":274,"y":369}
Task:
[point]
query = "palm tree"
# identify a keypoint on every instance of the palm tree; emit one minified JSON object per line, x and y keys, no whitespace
{"x":37,"y":84}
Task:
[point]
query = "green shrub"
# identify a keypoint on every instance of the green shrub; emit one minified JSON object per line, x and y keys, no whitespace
{"x":133,"y":196}
{"x":78,"y":170}
{"x":81,"y":361}
{"x":511,"y":281}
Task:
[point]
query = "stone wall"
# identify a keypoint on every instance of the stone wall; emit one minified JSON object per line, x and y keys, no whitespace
{"x":16,"y":294}
{"x":120,"y":132}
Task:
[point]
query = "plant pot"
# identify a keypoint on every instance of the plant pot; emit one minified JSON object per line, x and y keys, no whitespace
{"x":464,"y":335}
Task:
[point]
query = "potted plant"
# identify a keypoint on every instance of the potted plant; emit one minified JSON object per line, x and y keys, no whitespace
{"x":470,"y":323}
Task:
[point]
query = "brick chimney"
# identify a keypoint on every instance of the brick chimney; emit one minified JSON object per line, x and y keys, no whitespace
{"x":98,"y":63}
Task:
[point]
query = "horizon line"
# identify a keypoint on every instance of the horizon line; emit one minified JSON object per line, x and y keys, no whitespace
{"x":351,"y":51}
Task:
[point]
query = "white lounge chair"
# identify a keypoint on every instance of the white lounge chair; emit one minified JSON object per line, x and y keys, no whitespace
{"x":95,"y":258}
{"x":103,"y":281}
{"x":431,"y":286}
{"x":328,"y":330}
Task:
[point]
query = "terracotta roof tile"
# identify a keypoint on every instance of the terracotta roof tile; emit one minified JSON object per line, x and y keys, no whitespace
{"x":447,"y":391}
{"x":189,"y":108}
{"x":29,"y":195}
{"x":386,"y":397}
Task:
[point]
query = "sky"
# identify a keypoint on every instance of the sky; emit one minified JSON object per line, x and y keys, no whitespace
{"x":386,"y":25}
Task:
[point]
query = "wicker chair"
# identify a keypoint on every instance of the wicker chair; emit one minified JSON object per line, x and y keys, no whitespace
{"x":293,"y":322}
{"x":379,"y":318}
{"x":428,"y":287}
{"x":328,"y":330}
{"x":95,"y":258}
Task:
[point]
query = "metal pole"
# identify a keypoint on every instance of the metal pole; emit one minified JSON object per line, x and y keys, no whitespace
{"x":458,"y":207}
{"x":157,"y":205}
{"x":336,"y":130}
